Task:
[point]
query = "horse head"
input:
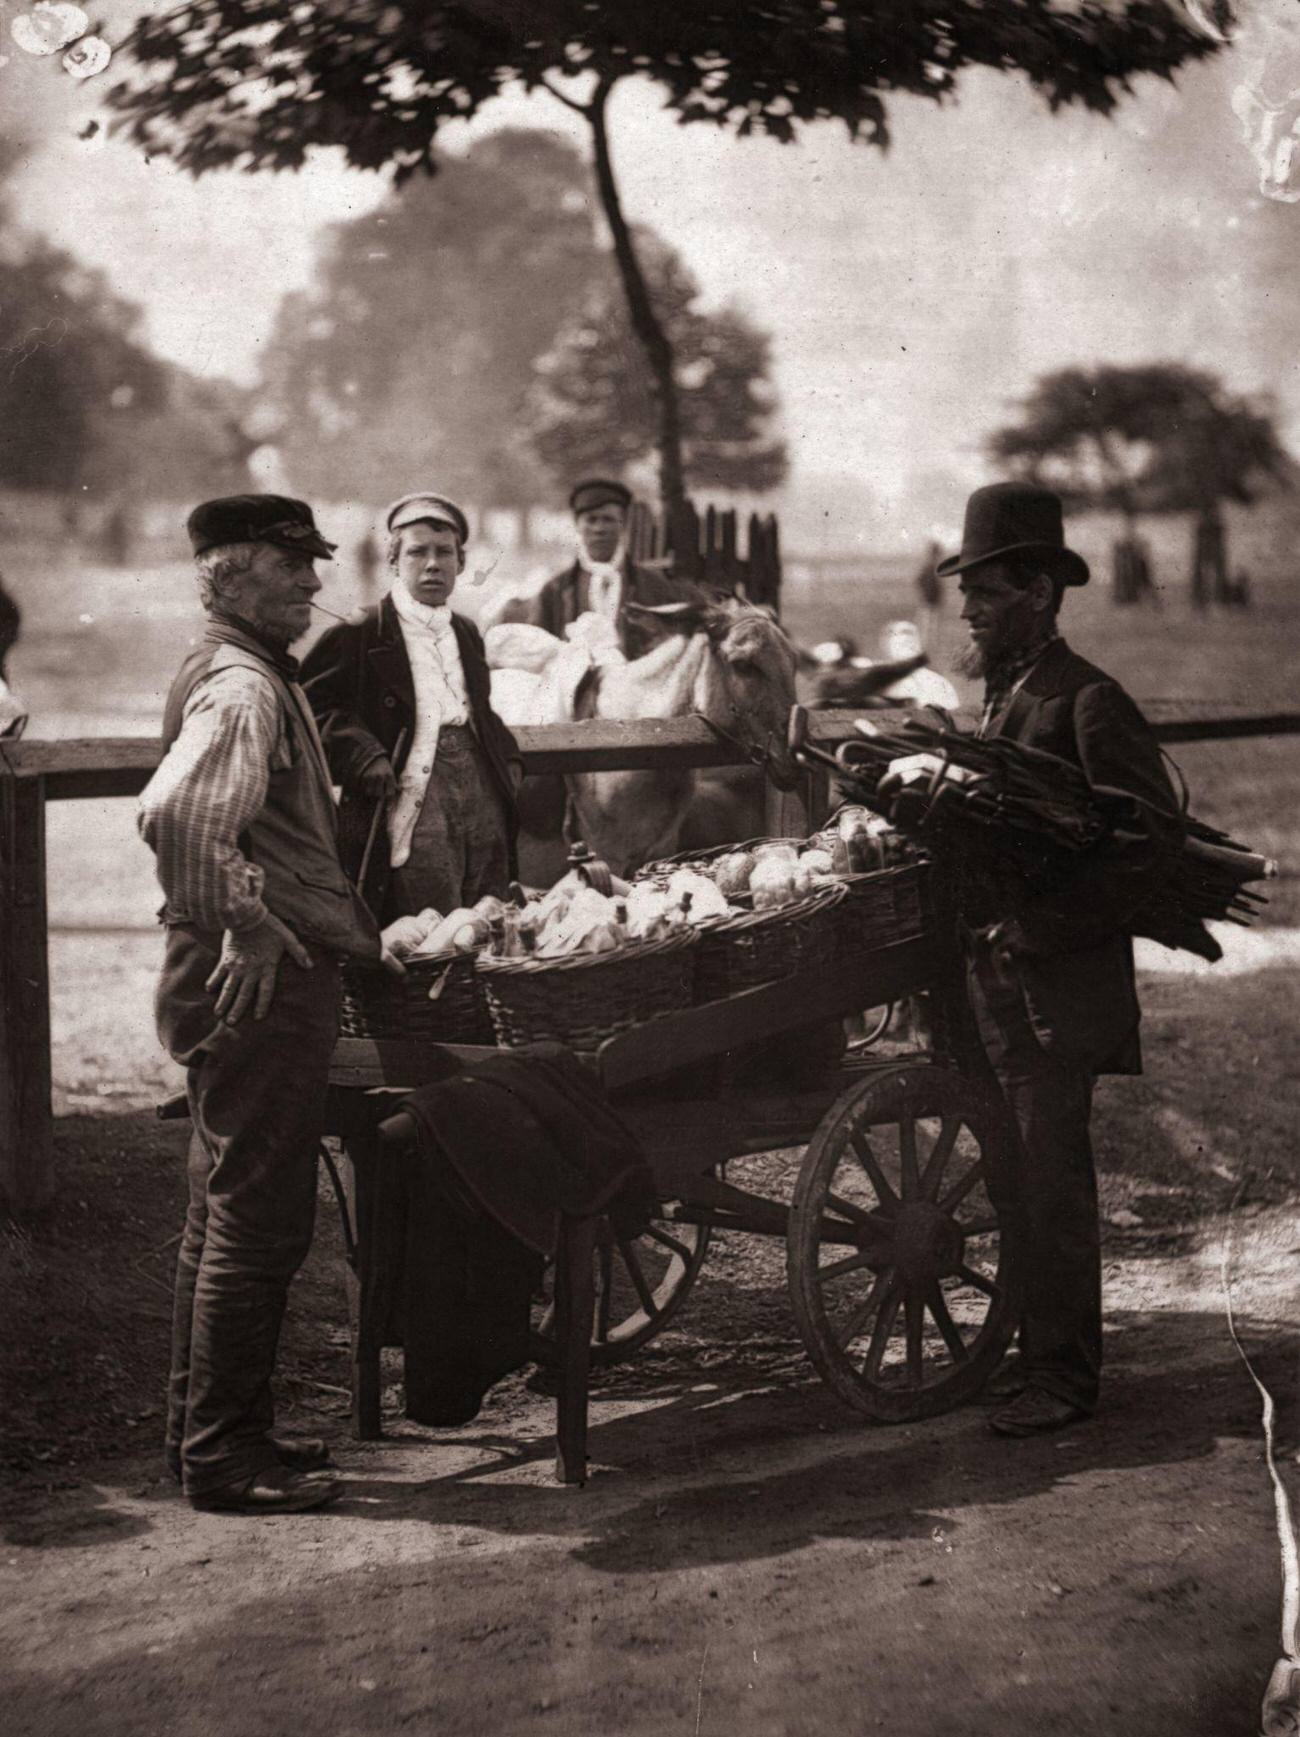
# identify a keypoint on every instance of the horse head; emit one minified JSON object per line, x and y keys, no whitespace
{"x":745,"y":687}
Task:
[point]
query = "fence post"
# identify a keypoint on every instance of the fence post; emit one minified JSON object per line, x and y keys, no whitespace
{"x":26,"y":1127}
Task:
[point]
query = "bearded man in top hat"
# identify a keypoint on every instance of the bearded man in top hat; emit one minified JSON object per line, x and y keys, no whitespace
{"x":240,"y":817}
{"x":1050,"y":973}
{"x":602,"y":577}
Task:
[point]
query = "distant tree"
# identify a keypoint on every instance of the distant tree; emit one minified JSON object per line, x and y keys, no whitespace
{"x":257,"y":84}
{"x":1160,"y":438}
{"x":594,"y":408}
{"x":412,"y":359}
{"x":75,"y":373}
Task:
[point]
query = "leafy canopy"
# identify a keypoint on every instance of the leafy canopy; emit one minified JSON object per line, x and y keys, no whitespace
{"x":594,"y":406}
{"x":258,"y":83}
{"x":1159,"y":436}
{"x":414,"y":353}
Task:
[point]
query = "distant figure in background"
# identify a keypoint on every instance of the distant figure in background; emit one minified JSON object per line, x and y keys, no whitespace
{"x":1238,"y":590}
{"x":929,"y":587}
{"x":602,"y":578}
{"x":403,"y":701}
{"x":1130,"y":569}
{"x":924,"y":687}
{"x":368,"y":565}
{"x":1209,"y":559}
{"x":13,"y":714}
{"x":115,"y":535}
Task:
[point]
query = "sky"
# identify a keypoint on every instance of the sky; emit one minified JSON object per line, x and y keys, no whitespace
{"x":912,"y":297}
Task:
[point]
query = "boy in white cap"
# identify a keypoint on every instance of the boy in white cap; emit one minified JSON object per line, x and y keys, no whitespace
{"x":403,"y":701}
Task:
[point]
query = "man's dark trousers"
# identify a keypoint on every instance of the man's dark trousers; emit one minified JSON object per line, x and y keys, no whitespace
{"x":257,"y":1099}
{"x":1048,"y":1096}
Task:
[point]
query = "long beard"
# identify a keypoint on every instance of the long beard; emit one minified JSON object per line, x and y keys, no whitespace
{"x":972,"y":661}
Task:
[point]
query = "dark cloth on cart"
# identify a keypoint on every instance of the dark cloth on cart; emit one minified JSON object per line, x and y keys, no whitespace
{"x":256,"y":1093}
{"x":1059,"y":1006}
{"x":359,"y":682}
{"x":459,"y":849}
{"x":504,"y":1148}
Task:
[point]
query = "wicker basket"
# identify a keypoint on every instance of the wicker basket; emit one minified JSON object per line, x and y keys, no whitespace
{"x":756,"y":947}
{"x":880,"y":908}
{"x":584,"y":998}
{"x":440,"y":1000}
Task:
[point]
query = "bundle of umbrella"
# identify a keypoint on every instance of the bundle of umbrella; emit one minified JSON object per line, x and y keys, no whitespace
{"x":948,"y":789}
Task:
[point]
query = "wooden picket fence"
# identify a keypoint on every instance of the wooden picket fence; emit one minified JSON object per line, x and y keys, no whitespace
{"x":706,"y":548}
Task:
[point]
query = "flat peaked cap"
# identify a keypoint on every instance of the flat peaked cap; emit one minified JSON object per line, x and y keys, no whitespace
{"x":437,"y":509}
{"x":257,"y":519}
{"x":598,"y":491}
{"x":1012,"y":518}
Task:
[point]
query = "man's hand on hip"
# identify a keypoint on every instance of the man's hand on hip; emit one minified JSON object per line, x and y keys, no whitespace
{"x":245,"y":973}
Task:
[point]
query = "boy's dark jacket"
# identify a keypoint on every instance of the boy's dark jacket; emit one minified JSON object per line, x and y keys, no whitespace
{"x":358,"y":680}
{"x":1077,"y":979}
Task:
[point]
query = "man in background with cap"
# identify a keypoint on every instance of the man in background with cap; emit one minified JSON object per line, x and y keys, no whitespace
{"x":240,"y":817}
{"x":603,"y":578}
{"x":403,"y":700}
{"x":1050,"y":972}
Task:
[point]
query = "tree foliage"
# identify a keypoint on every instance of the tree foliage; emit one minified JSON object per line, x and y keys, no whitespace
{"x":594,"y":406}
{"x":1160,"y":437}
{"x":413,"y":359}
{"x":258,"y":83}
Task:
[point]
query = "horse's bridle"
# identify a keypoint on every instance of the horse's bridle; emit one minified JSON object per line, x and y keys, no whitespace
{"x":753,"y":753}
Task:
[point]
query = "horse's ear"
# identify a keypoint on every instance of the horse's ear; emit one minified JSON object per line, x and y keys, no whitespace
{"x":691,"y":616}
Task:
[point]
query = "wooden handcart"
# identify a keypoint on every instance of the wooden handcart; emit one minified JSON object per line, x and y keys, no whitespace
{"x":898,"y":1252}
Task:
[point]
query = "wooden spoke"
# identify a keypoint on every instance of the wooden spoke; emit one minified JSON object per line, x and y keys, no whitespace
{"x":907,"y":1157}
{"x":846,"y":1208}
{"x":632,"y":1261}
{"x":880,"y":1334}
{"x":855,"y":1322}
{"x":869,"y":1162}
{"x":978,"y":1226}
{"x":959,"y":1190}
{"x":903,"y":1341}
{"x":914,"y":1315}
{"x":662,"y":1237}
{"x":940,"y":1153}
{"x":604,"y":1290}
{"x":853,"y":1263}
{"x":947,"y":1326}
{"x":972,"y":1277}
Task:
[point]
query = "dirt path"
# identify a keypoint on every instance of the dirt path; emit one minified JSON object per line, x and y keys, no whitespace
{"x":745,"y":1553}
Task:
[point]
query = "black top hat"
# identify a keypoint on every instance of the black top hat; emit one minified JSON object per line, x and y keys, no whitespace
{"x":598,"y":491}
{"x":257,"y":519}
{"x":1012,"y":518}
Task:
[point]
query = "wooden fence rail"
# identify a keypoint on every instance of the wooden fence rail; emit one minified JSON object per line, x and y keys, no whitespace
{"x":33,"y":773}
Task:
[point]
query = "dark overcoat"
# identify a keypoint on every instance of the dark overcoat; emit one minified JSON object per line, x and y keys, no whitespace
{"x":359,"y":682}
{"x":1078,"y":981}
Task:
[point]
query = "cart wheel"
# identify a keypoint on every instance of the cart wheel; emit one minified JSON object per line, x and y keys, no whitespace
{"x":898,"y":1256}
{"x":641,"y":1283}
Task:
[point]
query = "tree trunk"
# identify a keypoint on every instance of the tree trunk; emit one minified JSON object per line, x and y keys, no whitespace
{"x":645,"y":322}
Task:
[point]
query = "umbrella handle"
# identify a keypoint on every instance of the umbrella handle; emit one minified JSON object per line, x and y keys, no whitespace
{"x":378,"y":815}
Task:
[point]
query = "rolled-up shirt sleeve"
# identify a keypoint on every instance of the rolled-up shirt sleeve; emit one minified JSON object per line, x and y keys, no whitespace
{"x":211,"y":784}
